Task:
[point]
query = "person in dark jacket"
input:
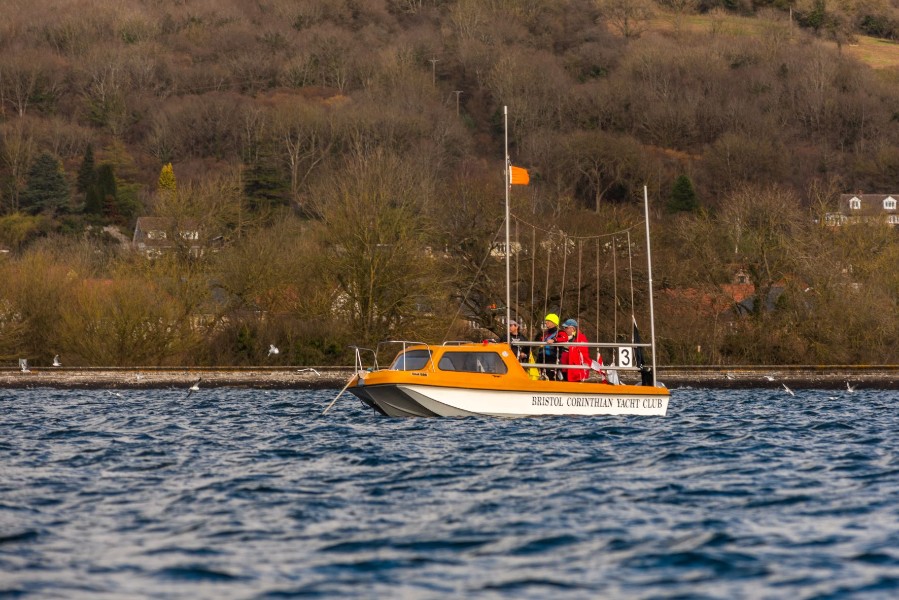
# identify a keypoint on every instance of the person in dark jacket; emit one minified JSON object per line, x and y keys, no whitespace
{"x":515,"y":335}
{"x":550,"y":352}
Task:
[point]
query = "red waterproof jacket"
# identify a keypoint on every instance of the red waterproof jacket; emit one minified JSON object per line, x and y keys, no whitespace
{"x":577,"y":355}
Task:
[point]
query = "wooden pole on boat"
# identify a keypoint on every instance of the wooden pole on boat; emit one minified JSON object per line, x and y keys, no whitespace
{"x":508,"y":249}
{"x":652,"y":318}
{"x":348,"y":384}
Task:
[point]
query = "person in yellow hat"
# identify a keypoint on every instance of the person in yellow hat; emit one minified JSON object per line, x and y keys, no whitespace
{"x":550,"y":353}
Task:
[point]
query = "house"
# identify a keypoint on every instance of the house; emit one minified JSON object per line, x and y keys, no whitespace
{"x":154,"y":236}
{"x":858,"y":208}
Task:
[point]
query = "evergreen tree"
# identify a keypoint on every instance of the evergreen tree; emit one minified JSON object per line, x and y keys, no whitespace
{"x":683,"y":197}
{"x":166,"y":181}
{"x":47,"y":188}
{"x":87,"y":172}
{"x":265,"y":184}
{"x":103,"y":193}
{"x":106,"y":182}
{"x":93,"y":201}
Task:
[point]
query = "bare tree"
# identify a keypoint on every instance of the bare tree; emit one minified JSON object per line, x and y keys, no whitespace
{"x":629,"y":17}
{"x":372,"y":231}
{"x":16,"y":152}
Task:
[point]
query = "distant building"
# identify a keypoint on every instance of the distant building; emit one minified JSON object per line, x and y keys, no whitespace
{"x":859,"y":208}
{"x":154,"y":236}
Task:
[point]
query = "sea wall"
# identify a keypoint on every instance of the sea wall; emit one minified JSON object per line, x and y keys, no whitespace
{"x":824,"y":376}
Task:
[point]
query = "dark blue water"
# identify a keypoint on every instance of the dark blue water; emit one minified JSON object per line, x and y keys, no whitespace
{"x":253,"y":494}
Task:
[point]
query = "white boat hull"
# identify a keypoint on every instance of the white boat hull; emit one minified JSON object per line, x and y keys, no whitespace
{"x":407,"y":400}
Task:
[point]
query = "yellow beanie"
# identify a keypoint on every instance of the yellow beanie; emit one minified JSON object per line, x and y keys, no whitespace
{"x":552,"y":317}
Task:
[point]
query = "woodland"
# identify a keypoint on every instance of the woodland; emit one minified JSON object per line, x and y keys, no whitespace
{"x":343,"y":162}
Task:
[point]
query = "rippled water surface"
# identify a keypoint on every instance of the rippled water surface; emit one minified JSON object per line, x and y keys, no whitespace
{"x":253,"y":494}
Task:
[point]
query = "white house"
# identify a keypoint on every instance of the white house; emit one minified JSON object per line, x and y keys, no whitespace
{"x":154,"y":236}
{"x":857,"y":208}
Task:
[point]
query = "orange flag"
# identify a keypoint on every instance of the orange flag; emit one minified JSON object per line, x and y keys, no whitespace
{"x":518,"y":176}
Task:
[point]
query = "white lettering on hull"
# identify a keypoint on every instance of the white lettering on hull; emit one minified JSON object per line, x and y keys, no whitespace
{"x":508,"y":403}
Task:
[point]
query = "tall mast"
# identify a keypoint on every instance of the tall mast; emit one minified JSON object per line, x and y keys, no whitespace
{"x":508,"y":249}
{"x":652,"y":319}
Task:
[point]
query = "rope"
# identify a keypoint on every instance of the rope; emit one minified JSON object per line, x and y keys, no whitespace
{"x":517,"y":317}
{"x":630,"y":268}
{"x":550,"y":232}
{"x":546,"y":288}
{"x":615,"y":285}
{"x":564,"y":267}
{"x":597,"y":338}
{"x":580,"y":256}
{"x":533,"y":278}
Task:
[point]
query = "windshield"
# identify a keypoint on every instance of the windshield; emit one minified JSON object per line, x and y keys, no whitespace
{"x":472,"y":362}
{"x":413,"y":360}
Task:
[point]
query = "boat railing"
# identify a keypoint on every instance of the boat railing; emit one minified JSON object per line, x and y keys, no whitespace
{"x":359,"y":351}
{"x":585,"y":344}
{"x":528,"y":365}
{"x":405,"y":344}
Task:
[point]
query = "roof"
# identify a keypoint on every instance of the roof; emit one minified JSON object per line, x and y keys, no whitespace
{"x":871,"y":205}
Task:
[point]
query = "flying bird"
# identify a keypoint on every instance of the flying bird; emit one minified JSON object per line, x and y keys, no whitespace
{"x":309,"y":369}
{"x":272,"y":349}
{"x":850,"y":388}
{"x":769,"y":377}
{"x":789,"y":391}
{"x":56,"y":362}
{"x":23,"y":364}
{"x":194,"y":388}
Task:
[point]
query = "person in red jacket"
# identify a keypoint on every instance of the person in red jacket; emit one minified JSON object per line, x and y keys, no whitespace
{"x":575,"y":355}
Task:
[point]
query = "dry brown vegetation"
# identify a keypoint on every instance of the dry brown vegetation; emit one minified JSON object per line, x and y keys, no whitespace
{"x":345,"y":196}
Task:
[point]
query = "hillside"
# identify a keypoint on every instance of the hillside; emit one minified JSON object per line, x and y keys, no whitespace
{"x":303,"y":138}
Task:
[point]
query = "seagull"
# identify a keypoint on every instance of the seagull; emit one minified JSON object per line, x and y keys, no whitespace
{"x":56,"y":362}
{"x":850,"y":388}
{"x":728,"y":376}
{"x":23,"y":364}
{"x":769,"y":377}
{"x":789,"y":391}
{"x":194,"y":388}
{"x":309,"y":369}
{"x":272,"y":349}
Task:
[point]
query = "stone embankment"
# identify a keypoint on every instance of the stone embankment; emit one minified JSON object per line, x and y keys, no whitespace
{"x":178,"y":377}
{"x":794,"y":376}
{"x":827,"y":376}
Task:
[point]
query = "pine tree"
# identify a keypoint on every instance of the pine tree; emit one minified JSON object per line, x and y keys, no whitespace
{"x":166,"y":181}
{"x":683,"y":197}
{"x":264,"y":183}
{"x":106,"y":181}
{"x":103,"y":193}
{"x":47,"y":188}
{"x":93,"y":201}
{"x":87,"y":172}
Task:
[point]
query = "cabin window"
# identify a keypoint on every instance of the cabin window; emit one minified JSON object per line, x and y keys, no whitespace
{"x":472,"y":362}
{"x":413,"y":360}
{"x":889,"y":204}
{"x":855,"y":204}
